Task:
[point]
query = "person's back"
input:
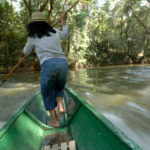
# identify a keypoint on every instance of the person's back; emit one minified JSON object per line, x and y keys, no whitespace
{"x":46,"y":46}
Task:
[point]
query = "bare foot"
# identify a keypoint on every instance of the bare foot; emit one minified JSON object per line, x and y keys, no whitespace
{"x":53,"y":124}
{"x":60,"y":105}
{"x":61,"y":110}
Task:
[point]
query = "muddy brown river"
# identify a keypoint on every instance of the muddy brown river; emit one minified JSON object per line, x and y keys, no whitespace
{"x":121,"y":94}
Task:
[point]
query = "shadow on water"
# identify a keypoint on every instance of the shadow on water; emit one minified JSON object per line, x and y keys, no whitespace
{"x":121,"y":94}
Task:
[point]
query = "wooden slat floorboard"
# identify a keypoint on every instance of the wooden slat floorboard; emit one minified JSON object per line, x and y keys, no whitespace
{"x":55,"y":147}
{"x":47,"y":148}
{"x":72,"y":145}
{"x":64,"y":146}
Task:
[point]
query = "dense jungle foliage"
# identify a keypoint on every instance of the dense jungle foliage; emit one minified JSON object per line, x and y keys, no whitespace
{"x":102,"y":32}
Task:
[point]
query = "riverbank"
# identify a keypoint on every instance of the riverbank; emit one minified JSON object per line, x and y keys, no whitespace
{"x":80,"y":67}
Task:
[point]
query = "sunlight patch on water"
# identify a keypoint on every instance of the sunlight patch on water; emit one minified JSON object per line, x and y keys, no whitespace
{"x":125,"y":77}
{"x":18,"y":85}
{"x":105,"y":99}
{"x":133,"y":104}
{"x":145,"y":91}
{"x":114,"y":118}
{"x":105,"y":88}
{"x":2,"y":123}
{"x":16,"y":88}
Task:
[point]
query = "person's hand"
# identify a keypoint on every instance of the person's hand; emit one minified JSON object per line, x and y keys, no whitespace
{"x":63,"y":19}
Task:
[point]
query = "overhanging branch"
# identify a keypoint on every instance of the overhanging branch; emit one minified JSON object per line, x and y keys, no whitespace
{"x":44,"y":5}
{"x":139,"y":21}
{"x":65,"y":13}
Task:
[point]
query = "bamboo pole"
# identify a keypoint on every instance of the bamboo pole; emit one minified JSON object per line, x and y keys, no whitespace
{"x":65,"y":13}
{"x":12,"y":70}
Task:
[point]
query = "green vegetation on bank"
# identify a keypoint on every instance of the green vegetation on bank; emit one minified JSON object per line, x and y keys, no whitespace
{"x":115,"y":32}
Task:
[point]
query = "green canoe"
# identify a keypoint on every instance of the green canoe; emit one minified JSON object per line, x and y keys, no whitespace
{"x":90,"y":130}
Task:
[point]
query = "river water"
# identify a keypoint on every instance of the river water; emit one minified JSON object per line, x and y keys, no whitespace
{"x":121,"y":94}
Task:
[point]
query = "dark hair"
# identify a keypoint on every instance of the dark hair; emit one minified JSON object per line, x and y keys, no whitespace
{"x":39,"y":29}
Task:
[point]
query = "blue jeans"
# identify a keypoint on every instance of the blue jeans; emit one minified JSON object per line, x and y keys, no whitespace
{"x":54,"y":73}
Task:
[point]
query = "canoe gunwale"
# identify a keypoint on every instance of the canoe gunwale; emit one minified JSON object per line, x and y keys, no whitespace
{"x":116,"y":131}
{"x":69,"y":118}
{"x":42,"y":125}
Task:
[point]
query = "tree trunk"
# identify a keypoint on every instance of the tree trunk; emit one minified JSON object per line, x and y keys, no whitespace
{"x":50,"y":8}
{"x":68,"y":46}
{"x":146,"y":45}
{"x":147,"y":30}
{"x":28,"y":6}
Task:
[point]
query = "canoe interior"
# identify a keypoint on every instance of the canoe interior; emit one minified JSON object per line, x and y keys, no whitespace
{"x":27,"y":129}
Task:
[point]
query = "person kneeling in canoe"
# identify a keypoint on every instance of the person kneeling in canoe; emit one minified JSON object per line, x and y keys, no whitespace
{"x":54,"y":65}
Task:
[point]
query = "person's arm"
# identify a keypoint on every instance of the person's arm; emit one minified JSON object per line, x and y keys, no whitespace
{"x":64,"y":33}
{"x":28,"y":47}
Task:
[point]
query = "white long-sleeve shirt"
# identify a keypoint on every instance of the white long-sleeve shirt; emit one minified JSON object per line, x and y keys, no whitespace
{"x":47,"y":46}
